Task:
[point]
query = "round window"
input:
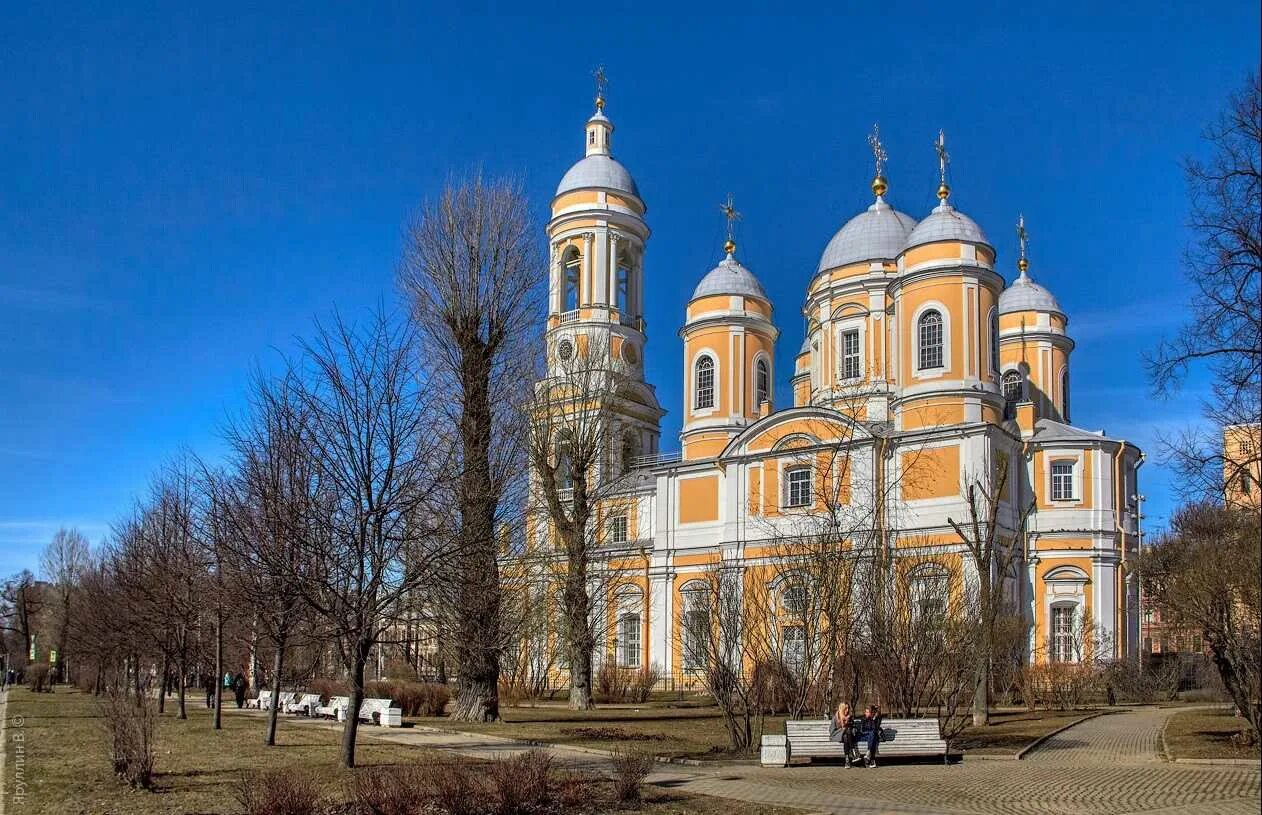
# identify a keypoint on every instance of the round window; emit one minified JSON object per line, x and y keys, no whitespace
{"x":565,"y":350}
{"x":629,"y":354}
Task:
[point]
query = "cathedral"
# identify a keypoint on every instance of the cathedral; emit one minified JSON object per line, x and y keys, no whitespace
{"x":922,"y":372}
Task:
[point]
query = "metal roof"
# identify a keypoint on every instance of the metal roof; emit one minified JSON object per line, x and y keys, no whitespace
{"x":729,"y":277}
{"x":599,"y":171}
{"x":1026,"y":295}
{"x":878,"y":233}
{"x":946,"y":223}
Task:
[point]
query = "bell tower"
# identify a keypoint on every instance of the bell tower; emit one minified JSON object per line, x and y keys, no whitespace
{"x":597,"y":237}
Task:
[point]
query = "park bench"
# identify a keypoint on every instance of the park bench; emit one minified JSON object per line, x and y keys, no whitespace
{"x":304,"y":704}
{"x":384,"y":714}
{"x":335,"y":709}
{"x":808,"y":738}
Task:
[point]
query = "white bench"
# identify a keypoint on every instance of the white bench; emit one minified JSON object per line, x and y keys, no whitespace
{"x":808,"y":738}
{"x":305,"y":704}
{"x":387,"y":716}
{"x":335,"y":709}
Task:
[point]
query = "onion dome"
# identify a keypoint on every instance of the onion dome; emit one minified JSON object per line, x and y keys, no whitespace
{"x":946,"y":223}
{"x":879,"y":233}
{"x":598,"y":169}
{"x":729,"y":277}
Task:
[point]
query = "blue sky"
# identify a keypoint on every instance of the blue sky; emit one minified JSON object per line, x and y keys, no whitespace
{"x":182,"y":191}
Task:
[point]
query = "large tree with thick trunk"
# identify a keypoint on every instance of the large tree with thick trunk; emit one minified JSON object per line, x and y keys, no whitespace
{"x":472,"y":271}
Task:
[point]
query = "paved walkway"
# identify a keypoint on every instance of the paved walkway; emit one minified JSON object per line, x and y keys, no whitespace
{"x":1104,"y":766}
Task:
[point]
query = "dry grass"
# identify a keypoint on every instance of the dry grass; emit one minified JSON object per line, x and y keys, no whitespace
{"x":1208,"y":734}
{"x":1012,"y":730}
{"x":67,"y":762}
{"x":662,"y":728}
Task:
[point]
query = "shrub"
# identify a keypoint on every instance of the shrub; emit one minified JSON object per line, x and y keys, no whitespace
{"x":630,"y":768}
{"x":618,"y":684}
{"x":327,"y":688}
{"x":388,"y":791}
{"x":37,"y":677}
{"x":522,"y":784}
{"x":773,"y":686}
{"x":642,"y":684}
{"x":279,"y":792}
{"x":129,"y":727}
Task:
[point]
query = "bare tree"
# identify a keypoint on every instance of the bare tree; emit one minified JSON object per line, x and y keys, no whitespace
{"x":374,"y":462}
{"x":1204,"y":575}
{"x":63,"y":562}
{"x":1225,"y":329}
{"x":472,"y":271}
{"x":995,"y":550}
{"x":20,"y":604}
{"x":570,"y":448}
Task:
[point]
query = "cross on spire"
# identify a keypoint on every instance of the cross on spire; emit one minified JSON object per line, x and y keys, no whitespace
{"x":944,"y":158}
{"x":728,"y":208}
{"x":1023,"y":238}
{"x":879,"y":156}
{"x":602,"y":83}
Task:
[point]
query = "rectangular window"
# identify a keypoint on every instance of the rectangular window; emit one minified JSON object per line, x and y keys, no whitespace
{"x":799,"y":487}
{"x":629,"y":640}
{"x":1062,"y":481}
{"x":618,"y":529}
{"x":851,"y":360}
{"x":1063,"y":634}
{"x":794,"y":646}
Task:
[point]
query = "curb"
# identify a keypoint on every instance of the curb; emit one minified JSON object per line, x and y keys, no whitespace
{"x":1021,"y":754}
{"x":1165,"y":748}
{"x":1221,"y":762}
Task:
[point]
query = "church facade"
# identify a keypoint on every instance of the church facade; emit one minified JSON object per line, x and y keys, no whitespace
{"x":922,"y":372}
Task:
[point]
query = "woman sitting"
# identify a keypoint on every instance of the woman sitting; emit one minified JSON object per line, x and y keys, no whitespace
{"x":843,"y":730}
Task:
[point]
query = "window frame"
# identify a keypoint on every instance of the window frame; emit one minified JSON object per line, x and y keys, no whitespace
{"x":697,"y":390}
{"x":1060,"y":640}
{"x":1057,"y":481}
{"x":846,"y":357}
{"x":993,"y":322}
{"x":571,"y":278}
{"x":618,"y":523}
{"x":944,"y":314}
{"x":762,"y":381}
{"x":788,"y":473}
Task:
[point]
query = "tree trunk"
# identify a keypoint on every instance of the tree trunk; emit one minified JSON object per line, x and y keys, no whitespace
{"x":981,"y":676}
{"x":278,"y":665}
{"x":582,"y":644}
{"x":162,"y":686}
{"x":351,"y":730}
{"x":581,"y":678}
{"x":216,"y":681}
{"x":181,"y":684}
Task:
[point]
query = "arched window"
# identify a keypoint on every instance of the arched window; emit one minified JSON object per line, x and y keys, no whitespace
{"x":994,"y":340}
{"x":564,"y":471}
{"x":1064,"y":394}
{"x":703,"y":384}
{"x":622,"y":284}
{"x":571,"y":265}
{"x":630,"y":451}
{"x":929,"y":337}
{"x":1013,"y":384}
{"x":627,"y":637}
{"x":762,"y":383}
{"x":695,"y":624}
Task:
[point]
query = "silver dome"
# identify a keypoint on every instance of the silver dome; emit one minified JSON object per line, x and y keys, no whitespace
{"x":598,"y":171}
{"x":729,"y":277}
{"x":1026,"y":295}
{"x":946,"y":223}
{"x":878,"y":233}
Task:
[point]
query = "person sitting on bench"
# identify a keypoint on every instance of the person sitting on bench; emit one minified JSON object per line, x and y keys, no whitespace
{"x":843,"y":730}
{"x":872,"y":731}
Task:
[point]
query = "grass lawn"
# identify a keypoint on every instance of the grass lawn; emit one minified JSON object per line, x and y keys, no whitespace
{"x":1011,"y":730}
{"x":678,"y":730}
{"x":1206,"y":733}
{"x":67,"y":769}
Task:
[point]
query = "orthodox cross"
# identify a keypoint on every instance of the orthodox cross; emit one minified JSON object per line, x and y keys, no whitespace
{"x":944,"y":158}
{"x":728,"y":208}
{"x":878,"y":149}
{"x":1023,"y":238}
{"x":602,"y":82}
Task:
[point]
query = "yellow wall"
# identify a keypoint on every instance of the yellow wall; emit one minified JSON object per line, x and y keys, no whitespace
{"x":699,"y":499}
{"x":931,"y":473}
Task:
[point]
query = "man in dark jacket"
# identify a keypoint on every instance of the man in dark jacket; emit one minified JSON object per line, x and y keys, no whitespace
{"x":238,"y":690}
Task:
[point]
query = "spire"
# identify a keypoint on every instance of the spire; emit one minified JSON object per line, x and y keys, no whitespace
{"x":944,"y":158}
{"x":1023,"y":238}
{"x":599,"y":131}
{"x":879,"y":184}
{"x":728,"y":208}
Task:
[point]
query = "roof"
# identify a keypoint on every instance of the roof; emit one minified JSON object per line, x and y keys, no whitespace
{"x":1051,"y":430}
{"x":1026,"y":295}
{"x":946,"y":223}
{"x":729,"y":277}
{"x":878,"y":233}
{"x":599,"y":171}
